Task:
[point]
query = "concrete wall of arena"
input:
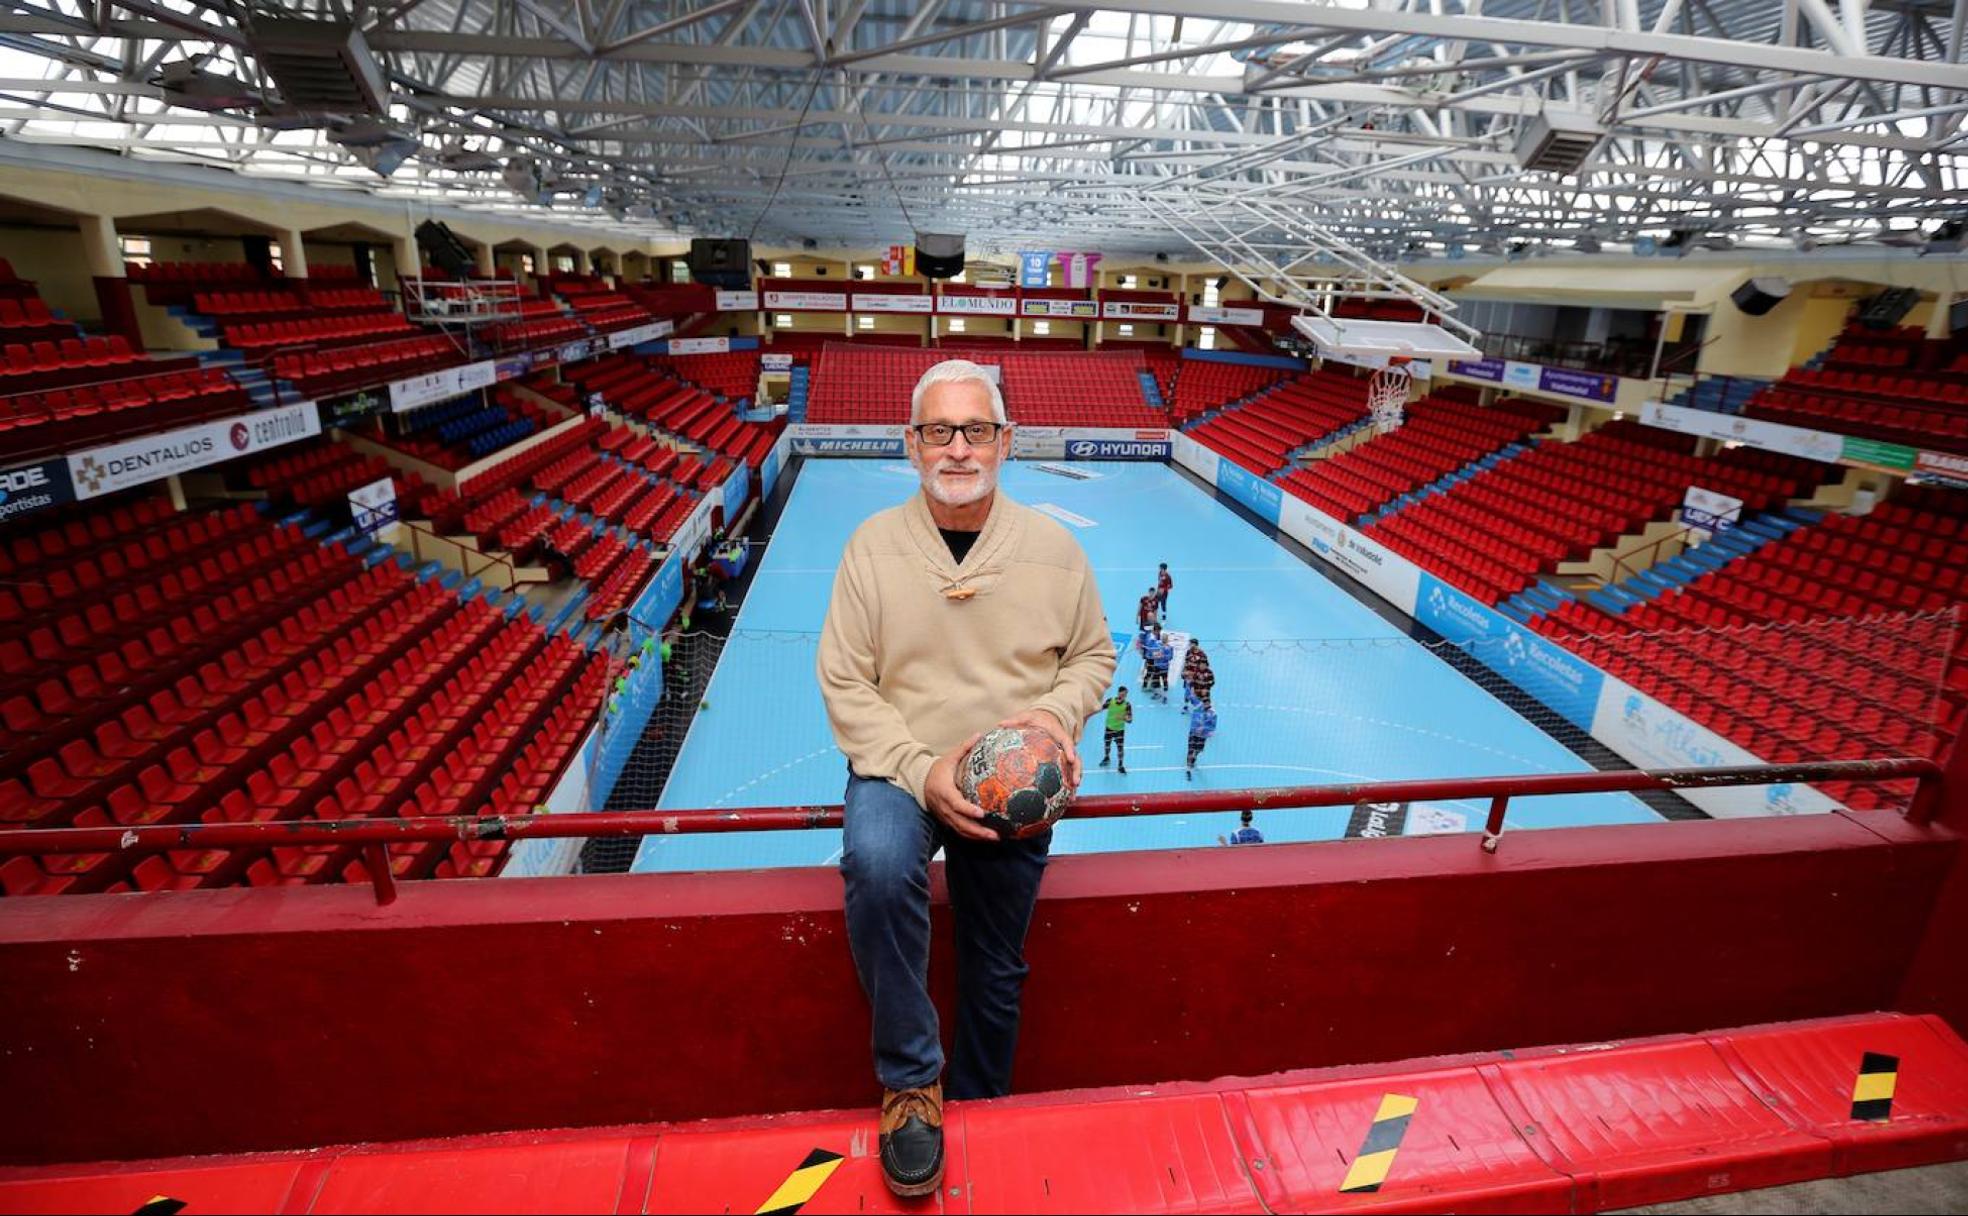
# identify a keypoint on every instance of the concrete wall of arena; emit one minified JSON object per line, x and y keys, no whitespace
{"x":1643,"y":730}
{"x":296,"y":1017}
{"x":52,"y":259}
{"x":87,"y":182}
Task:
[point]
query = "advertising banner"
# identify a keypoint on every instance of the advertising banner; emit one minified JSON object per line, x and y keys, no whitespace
{"x":1115,"y":444}
{"x":736,"y":487}
{"x":1772,"y":436}
{"x":1943,"y":465}
{"x":880,"y":301}
{"x":133,"y":462}
{"x":901,"y":260}
{"x":697,"y":346}
{"x":639,"y":334}
{"x":336,"y":411}
{"x":1081,"y":310}
{"x":1521,"y":375}
{"x":372,"y":506}
{"x":774,"y":464}
{"x":1194,"y":456}
{"x":811,"y":439}
{"x":1549,"y":672}
{"x":771,"y":363}
{"x":441,"y":385}
{"x":978,"y":306}
{"x":737,"y":301}
{"x":1035,"y":268}
{"x":807,"y":301}
{"x":1038,"y":443}
{"x":1123,"y":310}
{"x":1586,"y":386}
{"x":1649,"y":734}
{"x":1478,"y":369}
{"x":27,"y":488}
{"x":1877,"y":453}
{"x":1709,"y":511}
{"x":1226,"y":316}
{"x":1248,"y":488}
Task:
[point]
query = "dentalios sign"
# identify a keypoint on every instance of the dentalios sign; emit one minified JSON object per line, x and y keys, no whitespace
{"x":118,"y":466}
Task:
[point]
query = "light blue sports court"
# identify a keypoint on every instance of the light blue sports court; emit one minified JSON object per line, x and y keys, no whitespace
{"x":1311,"y":686}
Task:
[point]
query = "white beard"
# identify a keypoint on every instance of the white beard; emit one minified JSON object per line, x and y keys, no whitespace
{"x":959,"y":496}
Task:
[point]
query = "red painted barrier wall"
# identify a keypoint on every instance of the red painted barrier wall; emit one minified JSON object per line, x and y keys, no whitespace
{"x":231,"y":1020}
{"x":1938,"y":980}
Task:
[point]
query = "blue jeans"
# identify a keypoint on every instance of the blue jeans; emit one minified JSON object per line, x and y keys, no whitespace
{"x":993,"y":887}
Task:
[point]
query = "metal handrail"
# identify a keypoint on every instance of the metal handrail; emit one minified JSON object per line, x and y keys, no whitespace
{"x":375,"y":835}
{"x":1621,"y":561}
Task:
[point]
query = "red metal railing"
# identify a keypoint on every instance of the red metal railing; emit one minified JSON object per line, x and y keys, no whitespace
{"x":376,"y":835}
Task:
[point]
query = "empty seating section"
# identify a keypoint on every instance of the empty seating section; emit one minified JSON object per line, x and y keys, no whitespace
{"x":1202,"y":385}
{"x":228,"y":669}
{"x":853,"y":383}
{"x":1894,"y":385}
{"x":1439,"y":437}
{"x":257,"y":337}
{"x":271,"y":304}
{"x":446,"y":508}
{"x":207,"y":275}
{"x":319,"y":473}
{"x":1494,"y":533}
{"x":1093,"y":390}
{"x":1164,"y":363}
{"x":1840,"y":675}
{"x":732,"y":375}
{"x":544,"y":331}
{"x":1262,"y":433}
{"x":27,"y":318}
{"x":166,"y":283}
{"x":453,"y":434}
{"x":1378,"y":310}
{"x":25,"y":360}
{"x":599,"y":305}
{"x":649,"y":496}
{"x":319,"y":373}
{"x":647,"y":391}
{"x":57,"y":418}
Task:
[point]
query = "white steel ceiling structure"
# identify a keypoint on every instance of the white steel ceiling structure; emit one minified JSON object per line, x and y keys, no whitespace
{"x":1396,"y":125}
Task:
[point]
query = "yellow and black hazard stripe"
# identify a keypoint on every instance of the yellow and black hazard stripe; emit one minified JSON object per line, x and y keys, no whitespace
{"x":160,"y":1205}
{"x":801,"y":1184}
{"x":1872,"y":1095}
{"x":1376,"y":1156}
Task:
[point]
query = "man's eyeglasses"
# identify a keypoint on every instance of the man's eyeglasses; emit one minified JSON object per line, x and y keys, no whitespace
{"x":942,"y":434}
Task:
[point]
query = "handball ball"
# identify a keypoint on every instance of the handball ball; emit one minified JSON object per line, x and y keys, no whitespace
{"x":1018,"y":775}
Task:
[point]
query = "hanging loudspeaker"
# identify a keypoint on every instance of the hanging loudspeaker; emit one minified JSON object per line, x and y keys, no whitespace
{"x":445,"y":250}
{"x":1758,"y":296}
{"x":721,"y":263}
{"x":939,"y":255}
{"x":1888,"y":308}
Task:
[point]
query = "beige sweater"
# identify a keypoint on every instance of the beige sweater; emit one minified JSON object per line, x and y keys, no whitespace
{"x":920,"y":653}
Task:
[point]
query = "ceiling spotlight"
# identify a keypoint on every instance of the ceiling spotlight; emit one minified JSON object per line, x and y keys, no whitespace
{"x":523,"y":177}
{"x":378,"y":145}
{"x":1947,"y":237}
{"x":185,"y":84}
{"x":466,"y":160}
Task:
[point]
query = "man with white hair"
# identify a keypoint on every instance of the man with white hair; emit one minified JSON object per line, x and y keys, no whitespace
{"x":954,"y":613}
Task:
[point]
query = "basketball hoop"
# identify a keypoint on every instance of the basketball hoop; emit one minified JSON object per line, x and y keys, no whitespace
{"x":1387,"y":395}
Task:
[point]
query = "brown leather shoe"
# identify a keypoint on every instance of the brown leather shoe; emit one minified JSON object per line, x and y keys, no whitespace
{"x":912,"y":1140}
